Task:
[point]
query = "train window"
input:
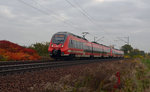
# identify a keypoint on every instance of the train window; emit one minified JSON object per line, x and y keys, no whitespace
{"x":71,"y":44}
{"x":59,"y":38}
{"x":93,"y":49}
{"x":74,"y":44}
{"x":84,"y":46}
{"x":78,"y":44}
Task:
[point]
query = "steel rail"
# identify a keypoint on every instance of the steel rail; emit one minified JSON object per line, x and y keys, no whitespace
{"x":10,"y":69}
{"x":2,"y":63}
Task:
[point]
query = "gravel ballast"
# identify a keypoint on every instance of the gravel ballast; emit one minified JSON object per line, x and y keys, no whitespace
{"x":24,"y":82}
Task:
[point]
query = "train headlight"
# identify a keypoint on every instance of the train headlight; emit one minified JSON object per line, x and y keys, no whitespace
{"x":62,"y":45}
{"x":52,"y":45}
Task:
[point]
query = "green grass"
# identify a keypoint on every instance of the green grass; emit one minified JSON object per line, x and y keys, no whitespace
{"x":146,"y":61}
{"x":134,"y":78}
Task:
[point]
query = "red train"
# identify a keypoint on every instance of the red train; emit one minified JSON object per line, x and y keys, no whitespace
{"x":65,"y":44}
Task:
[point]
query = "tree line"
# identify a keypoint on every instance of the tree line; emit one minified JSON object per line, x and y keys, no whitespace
{"x":133,"y":52}
{"x":41,"y":48}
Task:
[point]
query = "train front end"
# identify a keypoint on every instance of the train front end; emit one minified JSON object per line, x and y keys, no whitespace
{"x":58,"y":46}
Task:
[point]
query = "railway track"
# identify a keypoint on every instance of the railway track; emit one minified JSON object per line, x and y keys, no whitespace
{"x":6,"y":69}
{"x":21,"y":62}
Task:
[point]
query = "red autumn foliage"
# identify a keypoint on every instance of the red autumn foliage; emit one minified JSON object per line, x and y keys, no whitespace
{"x":11,"y":51}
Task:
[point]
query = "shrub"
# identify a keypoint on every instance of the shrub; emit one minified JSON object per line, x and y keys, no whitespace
{"x":41,"y":48}
{"x":10,"y":51}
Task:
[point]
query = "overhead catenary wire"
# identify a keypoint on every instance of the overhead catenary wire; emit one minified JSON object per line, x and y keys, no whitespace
{"x":52,"y":11}
{"x":47,"y":13}
{"x":80,"y":11}
{"x":33,"y":7}
{"x":84,"y":13}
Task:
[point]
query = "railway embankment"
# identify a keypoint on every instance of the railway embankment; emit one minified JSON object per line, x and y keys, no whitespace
{"x":112,"y":76}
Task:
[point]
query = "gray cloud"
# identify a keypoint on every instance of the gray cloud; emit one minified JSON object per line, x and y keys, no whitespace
{"x":25,"y":25}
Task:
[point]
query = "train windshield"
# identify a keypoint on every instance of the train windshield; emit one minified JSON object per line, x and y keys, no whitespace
{"x":58,"y":38}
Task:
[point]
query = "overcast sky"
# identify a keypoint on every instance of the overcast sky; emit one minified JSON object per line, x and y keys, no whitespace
{"x":29,"y":21}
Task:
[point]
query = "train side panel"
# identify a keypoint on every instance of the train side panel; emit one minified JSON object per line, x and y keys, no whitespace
{"x":64,"y":44}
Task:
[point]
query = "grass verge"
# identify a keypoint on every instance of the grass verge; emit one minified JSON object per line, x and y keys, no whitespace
{"x":132,"y":76}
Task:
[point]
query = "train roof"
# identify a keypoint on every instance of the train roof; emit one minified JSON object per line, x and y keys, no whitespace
{"x":100,"y":44}
{"x":106,"y":46}
{"x":68,"y":33}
